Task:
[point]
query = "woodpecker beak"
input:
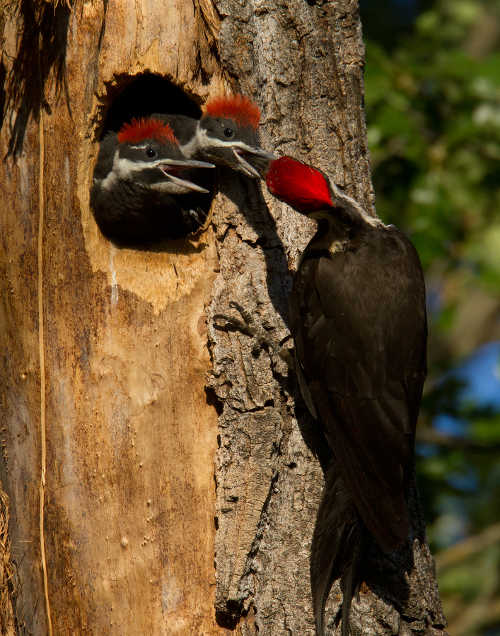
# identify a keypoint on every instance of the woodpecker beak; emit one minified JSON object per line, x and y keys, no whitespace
{"x":259,"y":160}
{"x":171,"y":167}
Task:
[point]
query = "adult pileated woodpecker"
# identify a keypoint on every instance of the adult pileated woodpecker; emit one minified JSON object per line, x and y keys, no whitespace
{"x":359,"y":323}
{"x":142,"y":190}
{"x":226,"y":134}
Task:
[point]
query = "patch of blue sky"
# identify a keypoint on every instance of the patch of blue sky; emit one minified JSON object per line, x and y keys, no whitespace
{"x":465,"y":482}
{"x":450,"y":425}
{"x":426,"y":450}
{"x":480,"y":375}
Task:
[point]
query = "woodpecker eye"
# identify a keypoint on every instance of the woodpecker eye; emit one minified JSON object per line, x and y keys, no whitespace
{"x":151,"y":152}
{"x":228,"y":132}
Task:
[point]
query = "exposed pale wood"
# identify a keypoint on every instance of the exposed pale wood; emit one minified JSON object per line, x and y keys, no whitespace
{"x":128,"y":511}
{"x":8,"y":583}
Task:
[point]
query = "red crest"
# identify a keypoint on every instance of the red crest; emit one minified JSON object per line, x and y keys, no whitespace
{"x":301,"y":186}
{"x":146,"y":128}
{"x":237,"y":107}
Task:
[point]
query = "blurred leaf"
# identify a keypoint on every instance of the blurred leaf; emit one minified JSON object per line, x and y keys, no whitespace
{"x":433,"y":116}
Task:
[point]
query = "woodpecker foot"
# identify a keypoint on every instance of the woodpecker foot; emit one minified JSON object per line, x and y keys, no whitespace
{"x":247,"y":325}
{"x":280,"y":354}
{"x":197,"y":215}
{"x":196,"y":220}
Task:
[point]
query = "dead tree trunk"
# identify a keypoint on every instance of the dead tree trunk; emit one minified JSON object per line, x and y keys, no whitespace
{"x":125,"y":388}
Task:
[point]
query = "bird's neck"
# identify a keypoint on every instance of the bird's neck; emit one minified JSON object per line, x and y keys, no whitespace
{"x":333,"y":233}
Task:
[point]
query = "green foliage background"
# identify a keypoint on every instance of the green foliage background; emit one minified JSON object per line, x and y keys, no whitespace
{"x":432,"y":96}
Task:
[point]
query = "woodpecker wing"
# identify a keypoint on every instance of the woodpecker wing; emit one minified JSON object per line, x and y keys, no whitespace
{"x":360,"y":332}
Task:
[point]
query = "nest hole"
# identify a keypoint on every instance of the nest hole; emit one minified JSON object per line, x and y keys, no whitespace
{"x":143,"y":96}
{"x":143,"y":220}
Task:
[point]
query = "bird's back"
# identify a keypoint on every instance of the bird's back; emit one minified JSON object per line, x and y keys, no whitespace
{"x":360,"y":332}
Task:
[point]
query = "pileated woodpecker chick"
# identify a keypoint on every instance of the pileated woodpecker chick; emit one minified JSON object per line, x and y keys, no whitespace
{"x":226,"y":134}
{"x":142,"y":190}
{"x":358,"y":318}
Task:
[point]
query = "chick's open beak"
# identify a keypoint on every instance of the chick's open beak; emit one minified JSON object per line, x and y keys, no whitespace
{"x":253,"y":161}
{"x":172,"y":167}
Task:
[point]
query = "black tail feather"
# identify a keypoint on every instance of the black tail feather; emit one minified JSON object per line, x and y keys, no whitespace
{"x":350,"y":581}
{"x":336,"y":549}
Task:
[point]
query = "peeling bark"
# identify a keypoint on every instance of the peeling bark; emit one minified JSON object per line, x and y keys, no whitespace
{"x":304,"y":61}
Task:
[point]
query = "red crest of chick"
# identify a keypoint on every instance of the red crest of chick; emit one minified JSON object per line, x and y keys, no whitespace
{"x":146,"y":128}
{"x":239,"y":108}
{"x":299,"y":185}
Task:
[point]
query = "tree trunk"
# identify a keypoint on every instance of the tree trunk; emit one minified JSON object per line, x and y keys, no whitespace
{"x":126,"y":386}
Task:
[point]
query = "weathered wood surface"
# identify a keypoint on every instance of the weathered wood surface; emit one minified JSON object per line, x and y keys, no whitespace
{"x":125,"y":381}
{"x":304,"y":61}
{"x":114,"y":341}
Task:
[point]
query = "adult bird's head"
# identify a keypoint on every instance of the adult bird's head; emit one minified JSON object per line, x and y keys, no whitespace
{"x":311,"y":192}
{"x":227,"y":135}
{"x":147,"y":154}
{"x":299,"y":185}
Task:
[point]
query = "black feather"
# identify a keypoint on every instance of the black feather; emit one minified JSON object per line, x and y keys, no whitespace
{"x":336,"y":549}
{"x":184,"y":127}
{"x":359,"y":324}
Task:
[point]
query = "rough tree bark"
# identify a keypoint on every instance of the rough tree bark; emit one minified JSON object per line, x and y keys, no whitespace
{"x":125,"y":388}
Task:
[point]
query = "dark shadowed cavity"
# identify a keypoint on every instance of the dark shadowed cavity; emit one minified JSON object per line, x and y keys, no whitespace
{"x":145,"y":95}
{"x":132,"y":216}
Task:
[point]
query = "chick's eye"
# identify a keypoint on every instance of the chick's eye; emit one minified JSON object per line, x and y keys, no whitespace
{"x":228,"y":132}
{"x":151,"y":152}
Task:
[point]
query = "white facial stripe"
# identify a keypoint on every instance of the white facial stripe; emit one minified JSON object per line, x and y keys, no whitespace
{"x":344,"y":200}
{"x":108,"y":181}
{"x":189,"y":149}
{"x":199,"y":141}
{"x":202,"y":140}
{"x":124,"y":167}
